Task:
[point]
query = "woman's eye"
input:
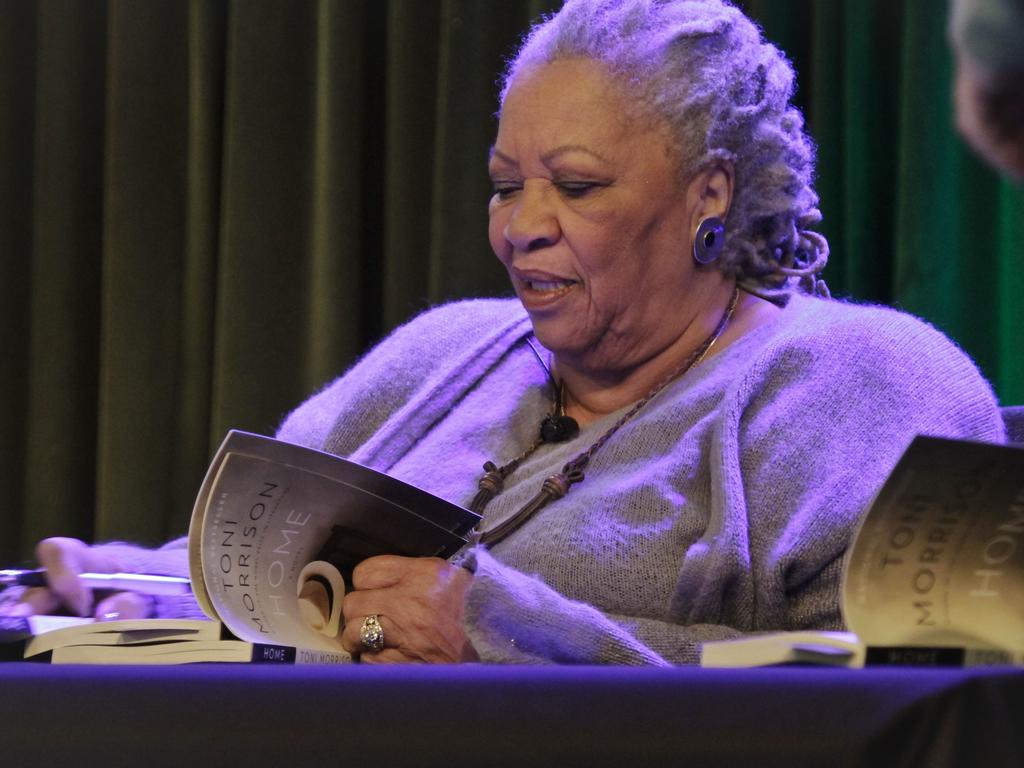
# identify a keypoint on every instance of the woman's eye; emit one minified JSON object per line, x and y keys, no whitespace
{"x":575,"y":189}
{"x":503,"y":190}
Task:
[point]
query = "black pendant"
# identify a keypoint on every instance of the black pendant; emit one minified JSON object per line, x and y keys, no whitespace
{"x":558,"y":429}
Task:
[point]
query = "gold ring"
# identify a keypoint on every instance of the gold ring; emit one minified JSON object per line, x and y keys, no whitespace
{"x":371,"y":634}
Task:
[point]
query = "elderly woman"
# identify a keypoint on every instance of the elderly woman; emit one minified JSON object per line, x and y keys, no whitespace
{"x":671,"y":431}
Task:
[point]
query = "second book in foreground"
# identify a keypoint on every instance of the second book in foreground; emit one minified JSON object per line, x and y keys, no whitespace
{"x":935,"y":574}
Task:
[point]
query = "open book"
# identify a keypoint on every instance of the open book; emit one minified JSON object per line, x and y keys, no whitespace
{"x":277,"y":529}
{"x":935,"y":573}
{"x":275,"y":533}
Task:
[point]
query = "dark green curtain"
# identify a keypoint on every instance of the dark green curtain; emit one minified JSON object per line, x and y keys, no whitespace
{"x":914,"y":219}
{"x":208,"y":209}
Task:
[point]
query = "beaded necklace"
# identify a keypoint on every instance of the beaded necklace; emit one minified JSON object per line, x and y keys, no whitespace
{"x":557,"y":427}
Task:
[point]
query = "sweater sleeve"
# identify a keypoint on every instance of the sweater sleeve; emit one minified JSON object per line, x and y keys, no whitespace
{"x":515,"y":618}
{"x":349,"y":413}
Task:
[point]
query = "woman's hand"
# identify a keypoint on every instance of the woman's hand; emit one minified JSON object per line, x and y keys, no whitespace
{"x":64,"y":559}
{"x":419,"y":603}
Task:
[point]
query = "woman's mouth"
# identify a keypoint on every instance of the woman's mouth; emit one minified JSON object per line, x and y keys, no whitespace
{"x":549,"y":286}
{"x":539,"y":289}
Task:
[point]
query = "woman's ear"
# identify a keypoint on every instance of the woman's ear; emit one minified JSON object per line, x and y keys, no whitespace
{"x":709,"y":192}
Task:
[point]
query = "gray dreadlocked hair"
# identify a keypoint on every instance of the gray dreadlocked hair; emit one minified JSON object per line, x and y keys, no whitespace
{"x":705,"y":69}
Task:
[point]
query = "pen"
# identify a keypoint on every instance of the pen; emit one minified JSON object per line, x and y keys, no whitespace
{"x":144,"y":583}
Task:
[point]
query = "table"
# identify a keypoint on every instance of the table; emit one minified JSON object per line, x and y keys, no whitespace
{"x":369,"y":717}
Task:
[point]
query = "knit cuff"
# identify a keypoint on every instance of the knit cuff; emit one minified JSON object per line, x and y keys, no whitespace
{"x":513,"y":618}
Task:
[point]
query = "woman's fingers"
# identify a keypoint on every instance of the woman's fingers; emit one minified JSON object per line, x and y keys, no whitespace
{"x":120,"y":605}
{"x":124,"y":605}
{"x":63,"y":559}
{"x":382,"y":571}
{"x":352,"y":640}
{"x":419,"y":604}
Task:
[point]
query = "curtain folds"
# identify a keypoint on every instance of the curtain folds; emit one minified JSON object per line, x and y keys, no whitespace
{"x":210,"y":208}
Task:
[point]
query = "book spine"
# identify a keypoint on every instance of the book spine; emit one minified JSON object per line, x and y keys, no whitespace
{"x":924,"y":656}
{"x":285,"y":654}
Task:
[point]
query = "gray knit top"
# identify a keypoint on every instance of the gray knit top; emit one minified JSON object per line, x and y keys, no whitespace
{"x":723,"y":507}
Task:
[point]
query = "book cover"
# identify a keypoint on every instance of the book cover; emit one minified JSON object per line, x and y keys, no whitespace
{"x":277,"y":529}
{"x":935,"y":572}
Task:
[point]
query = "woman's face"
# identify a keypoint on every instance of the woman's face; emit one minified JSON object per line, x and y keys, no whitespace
{"x":589,"y":217}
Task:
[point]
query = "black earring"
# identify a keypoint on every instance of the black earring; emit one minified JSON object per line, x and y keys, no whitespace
{"x":707,"y":245}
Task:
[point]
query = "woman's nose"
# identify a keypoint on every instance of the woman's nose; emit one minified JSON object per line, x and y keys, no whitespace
{"x":533,"y":223}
